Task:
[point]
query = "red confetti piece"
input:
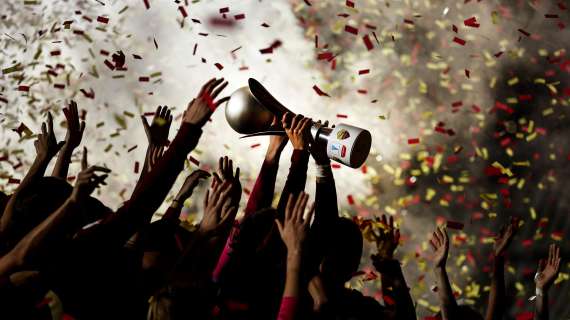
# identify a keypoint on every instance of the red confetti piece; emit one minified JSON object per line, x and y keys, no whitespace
{"x":454,"y":28}
{"x":407,"y":21}
{"x":307,"y":2}
{"x":136,"y":167}
{"x":144,"y":79}
{"x":224,"y":10}
{"x":524,"y":32}
{"x":89,"y":95}
{"x":363,"y":71}
{"x":350,"y":199}
{"x":194,"y":161}
{"x":219,"y":66}
{"x":13,"y":180}
{"x":265,"y":25}
{"x":182,"y":11}
{"x":23,"y":88}
{"x":239,"y":16}
{"x":146,"y":4}
{"x":414,"y":141}
{"x":342,"y":116}
{"x":253,"y":146}
{"x":471,"y":22}
{"x":367,"y":42}
{"x":467,"y":73}
{"x":351,"y":29}
{"x":319,"y":91}
{"x":325,"y":56}
{"x":55,"y":53}
{"x":349,"y":4}
{"x":102,"y":19}
{"x":459,"y":41}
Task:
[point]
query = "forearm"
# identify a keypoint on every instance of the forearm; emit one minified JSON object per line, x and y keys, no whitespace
{"x":296,"y":179}
{"x":326,"y":207}
{"x":541,"y":311}
{"x":61,"y":168}
{"x":264,"y":188}
{"x":445,"y":293}
{"x":497,"y":296}
{"x":395,"y":288}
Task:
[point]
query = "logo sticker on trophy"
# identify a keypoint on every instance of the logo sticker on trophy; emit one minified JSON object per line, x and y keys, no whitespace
{"x":250,"y":111}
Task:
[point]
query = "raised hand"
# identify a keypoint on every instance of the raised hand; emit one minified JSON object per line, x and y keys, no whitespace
{"x":219,"y":210}
{"x":46,"y":143}
{"x":295,"y":228}
{"x":548,"y":269}
{"x":319,"y":151}
{"x":190,"y":183}
{"x":276,"y":143}
{"x":157,"y":131}
{"x":440,"y":245}
{"x":298,"y":129}
{"x":87,"y":180}
{"x":225,"y":173}
{"x":75,"y":127}
{"x":505,"y":236}
{"x":387,"y":238}
{"x":200,"y":108}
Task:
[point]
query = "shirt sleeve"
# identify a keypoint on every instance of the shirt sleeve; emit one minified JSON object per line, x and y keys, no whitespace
{"x":288,"y":308}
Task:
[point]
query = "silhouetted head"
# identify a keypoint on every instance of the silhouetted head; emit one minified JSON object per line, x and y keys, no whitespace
{"x":342,"y":251}
{"x":35,"y":203}
{"x":40,"y":199}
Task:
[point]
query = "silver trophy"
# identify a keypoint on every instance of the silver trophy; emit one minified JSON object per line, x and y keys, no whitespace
{"x":251,"y":109}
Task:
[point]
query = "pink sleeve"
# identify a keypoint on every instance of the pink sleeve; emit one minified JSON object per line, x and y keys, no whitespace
{"x":288,"y":308}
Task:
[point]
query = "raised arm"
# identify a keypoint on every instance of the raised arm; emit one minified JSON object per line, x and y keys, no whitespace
{"x":173,"y":212}
{"x":293,"y":231}
{"x":195,"y":267}
{"x":396,"y":294}
{"x":46,"y":148}
{"x":440,"y":245}
{"x":298,"y":130}
{"x":154,"y":186}
{"x":544,"y":278}
{"x":326,"y":210}
{"x":156,"y":135}
{"x":261,"y":195}
{"x":497,"y":296}
{"x":57,"y":223}
{"x":73,"y":138}
{"x":264,"y":188}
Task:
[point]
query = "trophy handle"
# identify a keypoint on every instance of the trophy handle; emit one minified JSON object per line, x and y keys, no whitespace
{"x":266,"y":99}
{"x":265,"y":133}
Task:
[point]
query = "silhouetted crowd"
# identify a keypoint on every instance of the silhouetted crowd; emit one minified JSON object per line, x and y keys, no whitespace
{"x":67,"y":255}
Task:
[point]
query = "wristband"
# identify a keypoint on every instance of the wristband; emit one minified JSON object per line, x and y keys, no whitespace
{"x":323,"y":171}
